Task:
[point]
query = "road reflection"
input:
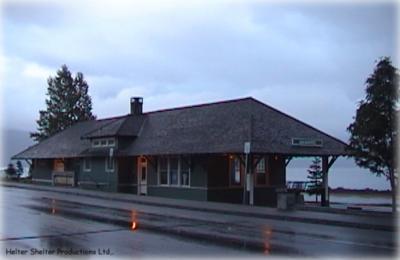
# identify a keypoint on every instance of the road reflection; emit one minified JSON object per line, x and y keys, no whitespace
{"x":53,"y":207}
{"x":267,"y":234}
{"x":134,"y":220}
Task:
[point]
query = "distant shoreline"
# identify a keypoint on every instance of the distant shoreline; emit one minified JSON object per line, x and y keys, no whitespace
{"x":359,"y":191}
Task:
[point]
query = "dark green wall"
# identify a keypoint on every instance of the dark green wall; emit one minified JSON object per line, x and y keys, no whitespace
{"x":152,"y":178}
{"x":265,"y":196}
{"x":218,"y":171}
{"x":196,"y":191}
{"x":127,"y":178}
{"x":42,"y":169}
{"x":178,"y":192}
{"x":209,"y":178}
{"x":198,"y":175}
{"x":228,"y":194}
{"x":278,"y":171}
{"x":98,"y":176}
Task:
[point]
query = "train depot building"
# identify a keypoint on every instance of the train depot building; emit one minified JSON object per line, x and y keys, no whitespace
{"x":229,"y":151}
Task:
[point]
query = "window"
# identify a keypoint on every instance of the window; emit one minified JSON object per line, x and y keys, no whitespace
{"x":173,"y":171}
{"x":261,"y":166}
{"x":261,"y":171}
{"x":235,"y":172}
{"x":163,"y":170}
{"x":105,"y":142}
{"x":185,"y":170}
{"x":109,"y":164}
{"x":87,"y":167}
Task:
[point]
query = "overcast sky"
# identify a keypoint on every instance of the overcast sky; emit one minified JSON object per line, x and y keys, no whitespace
{"x":308,"y":60}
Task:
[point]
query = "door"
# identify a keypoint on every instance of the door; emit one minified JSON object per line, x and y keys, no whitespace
{"x":142,"y":176}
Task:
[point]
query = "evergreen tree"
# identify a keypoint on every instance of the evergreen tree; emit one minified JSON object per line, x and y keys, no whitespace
{"x":68,"y":102}
{"x":373,"y":132}
{"x":315,"y":177}
{"x":20,"y":169}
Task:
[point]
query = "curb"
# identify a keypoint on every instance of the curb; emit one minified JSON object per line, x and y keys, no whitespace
{"x":230,"y":212}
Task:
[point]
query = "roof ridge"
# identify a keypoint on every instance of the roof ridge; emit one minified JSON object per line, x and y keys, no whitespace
{"x":113,"y":117}
{"x":199,"y":105}
{"x":182,"y":107}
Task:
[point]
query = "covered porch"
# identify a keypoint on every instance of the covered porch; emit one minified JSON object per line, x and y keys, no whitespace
{"x":253,"y":195}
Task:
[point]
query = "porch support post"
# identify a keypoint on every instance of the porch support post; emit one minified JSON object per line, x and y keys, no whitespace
{"x":325,"y":185}
{"x":28,"y":162}
{"x":288,"y":159}
{"x":244,"y":198}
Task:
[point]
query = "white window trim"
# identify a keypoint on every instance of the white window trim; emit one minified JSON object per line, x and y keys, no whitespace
{"x":266,"y":172}
{"x":85,"y":160}
{"x":168,"y":184}
{"x":263,"y":170}
{"x":113,"y":165}
{"x":232,"y":169}
{"x":106,"y":140}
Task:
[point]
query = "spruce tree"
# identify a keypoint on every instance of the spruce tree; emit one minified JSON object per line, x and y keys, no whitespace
{"x":315,"y":177}
{"x":68,"y":102}
{"x":373,"y":133}
{"x":20,"y":168}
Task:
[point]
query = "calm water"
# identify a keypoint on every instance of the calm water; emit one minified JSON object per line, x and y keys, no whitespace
{"x":344,"y":173}
{"x":351,"y":198}
{"x":345,"y":177}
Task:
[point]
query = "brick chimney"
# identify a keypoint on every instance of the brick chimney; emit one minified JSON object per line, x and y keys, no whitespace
{"x":136,"y":105}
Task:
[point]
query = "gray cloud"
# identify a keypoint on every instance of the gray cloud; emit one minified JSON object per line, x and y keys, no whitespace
{"x":44,"y":13}
{"x":310,"y":61}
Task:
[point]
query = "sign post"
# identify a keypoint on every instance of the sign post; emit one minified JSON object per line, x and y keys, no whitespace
{"x":246,"y":180}
{"x":111,"y":154}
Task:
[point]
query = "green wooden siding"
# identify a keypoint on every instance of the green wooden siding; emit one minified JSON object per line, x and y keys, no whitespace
{"x":42,"y":169}
{"x":127,"y":178}
{"x":177,"y":192}
{"x":98,"y":177}
{"x":209,"y":178}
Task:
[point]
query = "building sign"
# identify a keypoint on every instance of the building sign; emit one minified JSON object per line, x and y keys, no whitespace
{"x":307,"y":142}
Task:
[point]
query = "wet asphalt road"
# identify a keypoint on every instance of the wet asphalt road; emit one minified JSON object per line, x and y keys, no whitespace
{"x":38,"y":232}
{"x":36,"y":219}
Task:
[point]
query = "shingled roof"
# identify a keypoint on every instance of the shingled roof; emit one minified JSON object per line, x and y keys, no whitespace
{"x":128,"y":125}
{"x":67,"y":143}
{"x":220,"y":127}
